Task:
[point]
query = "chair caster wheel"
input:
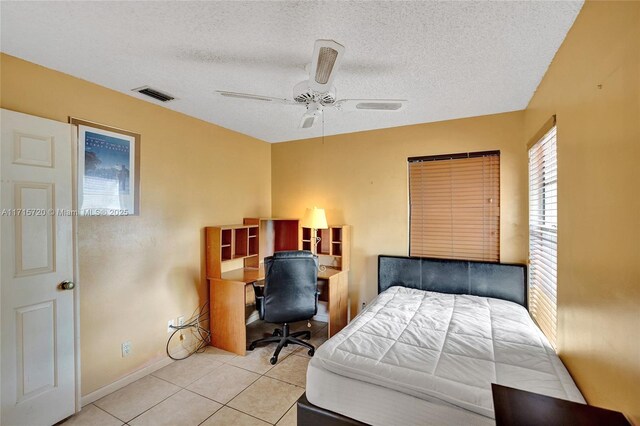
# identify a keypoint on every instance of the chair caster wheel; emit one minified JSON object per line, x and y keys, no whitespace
{"x":252,"y":346}
{"x":276,"y":333}
{"x":311,"y":352}
{"x":273,"y":360}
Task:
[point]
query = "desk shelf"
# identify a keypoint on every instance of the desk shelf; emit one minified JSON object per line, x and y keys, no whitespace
{"x":241,"y":236}
{"x":333,"y":248}
{"x":228,"y":243}
{"x":324,"y":245}
{"x":253,"y":245}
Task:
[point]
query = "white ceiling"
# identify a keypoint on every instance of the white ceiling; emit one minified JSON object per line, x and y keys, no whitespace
{"x":449,"y":59}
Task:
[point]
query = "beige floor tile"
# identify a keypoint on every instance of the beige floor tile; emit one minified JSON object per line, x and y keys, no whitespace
{"x":258,"y":359}
{"x":136,"y":398}
{"x":316,"y":340}
{"x":230,"y":417}
{"x":219,"y":354}
{"x":292,"y":369}
{"x":267,"y":399}
{"x":303,"y":326}
{"x":184,"y":408}
{"x":322,"y":330}
{"x":291,"y":418}
{"x":259,"y":329}
{"x":188,"y":370}
{"x":224,"y":383}
{"x":92,"y":416}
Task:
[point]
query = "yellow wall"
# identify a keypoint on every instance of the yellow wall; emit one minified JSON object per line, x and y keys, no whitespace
{"x":599,"y":200}
{"x":361,"y":180}
{"x":139,"y":272}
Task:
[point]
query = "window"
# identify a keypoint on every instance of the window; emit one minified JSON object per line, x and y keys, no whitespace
{"x":543,"y":233}
{"x":455,"y":206}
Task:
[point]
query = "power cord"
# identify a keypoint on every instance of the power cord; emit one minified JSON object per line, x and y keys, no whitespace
{"x":201,"y":334}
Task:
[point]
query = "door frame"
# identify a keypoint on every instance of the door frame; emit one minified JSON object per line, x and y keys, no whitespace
{"x":76,"y":263}
{"x":74,"y":251}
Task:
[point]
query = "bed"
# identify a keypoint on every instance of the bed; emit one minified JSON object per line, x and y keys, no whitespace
{"x":428,"y":347}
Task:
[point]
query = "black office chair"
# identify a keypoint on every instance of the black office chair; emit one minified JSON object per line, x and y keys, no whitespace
{"x":290,"y":294}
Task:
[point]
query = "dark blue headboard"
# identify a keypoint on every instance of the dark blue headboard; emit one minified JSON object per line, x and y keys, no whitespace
{"x":498,"y":280}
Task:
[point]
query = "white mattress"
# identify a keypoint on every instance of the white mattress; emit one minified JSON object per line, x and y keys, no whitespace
{"x":380,"y":406}
{"x":440,"y":348}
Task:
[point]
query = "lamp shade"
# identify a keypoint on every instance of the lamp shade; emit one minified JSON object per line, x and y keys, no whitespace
{"x":315,"y":218}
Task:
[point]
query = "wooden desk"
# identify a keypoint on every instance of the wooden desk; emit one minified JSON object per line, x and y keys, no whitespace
{"x":227,"y":301}
{"x":515,"y":407}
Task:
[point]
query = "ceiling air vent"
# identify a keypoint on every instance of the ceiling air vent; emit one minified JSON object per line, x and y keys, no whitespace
{"x":155,"y":94}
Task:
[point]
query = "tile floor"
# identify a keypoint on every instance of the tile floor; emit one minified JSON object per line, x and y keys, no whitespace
{"x":213,"y":388}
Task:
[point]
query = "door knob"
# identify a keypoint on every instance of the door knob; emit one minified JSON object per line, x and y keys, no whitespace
{"x":67,"y":285}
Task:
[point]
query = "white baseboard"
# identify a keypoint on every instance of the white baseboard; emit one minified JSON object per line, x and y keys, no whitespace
{"x":126,"y":380}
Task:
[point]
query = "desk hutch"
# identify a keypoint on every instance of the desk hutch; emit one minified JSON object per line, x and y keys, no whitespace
{"x":234,"y":260}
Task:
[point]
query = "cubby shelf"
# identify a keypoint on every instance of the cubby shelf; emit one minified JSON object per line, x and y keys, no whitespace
{"x":229,"y":242}
{"x":333,"y":247}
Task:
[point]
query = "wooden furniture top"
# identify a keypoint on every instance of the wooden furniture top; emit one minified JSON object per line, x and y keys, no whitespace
{"x":244,"y":275}
{"x":249,"y":275}
{"x":237,"y":226}
{"x":328,"y":273}
{"x":271,"y":218}
{"x":522,"y":408}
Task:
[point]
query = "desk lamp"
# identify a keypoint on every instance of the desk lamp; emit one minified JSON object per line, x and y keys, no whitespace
{"x":315,"y":219}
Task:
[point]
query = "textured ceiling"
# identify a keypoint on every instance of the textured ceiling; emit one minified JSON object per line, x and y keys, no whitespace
{"x":449,"y":59}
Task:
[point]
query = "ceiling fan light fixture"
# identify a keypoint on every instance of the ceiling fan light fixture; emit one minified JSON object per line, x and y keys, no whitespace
{"x":326,"y":61}
{"x":307,"y":122}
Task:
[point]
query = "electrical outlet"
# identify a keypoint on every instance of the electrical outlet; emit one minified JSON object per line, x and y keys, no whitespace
{"x":180,"y":321}
{"x":170,"y":325}
{"x":364,"y":304}
{"x":126,"y":348}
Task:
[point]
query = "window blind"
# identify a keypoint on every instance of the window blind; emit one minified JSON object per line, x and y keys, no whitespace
{"x":543,"y":233}
{"x":455,"y":206}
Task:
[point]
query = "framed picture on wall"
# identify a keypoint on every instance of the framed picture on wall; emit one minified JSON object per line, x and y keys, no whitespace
{"x":108,"y":170}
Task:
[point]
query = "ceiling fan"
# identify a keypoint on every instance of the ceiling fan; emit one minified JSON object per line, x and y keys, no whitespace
{"x":318,"y":92}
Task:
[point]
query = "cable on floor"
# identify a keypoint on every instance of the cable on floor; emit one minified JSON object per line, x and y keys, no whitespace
{"x":201,"y":334}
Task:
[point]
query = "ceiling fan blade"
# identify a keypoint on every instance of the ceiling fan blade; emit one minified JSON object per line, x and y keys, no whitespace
{"x":370,"y":104}
{"x":256,"y":97}
{"x":327,"y":55}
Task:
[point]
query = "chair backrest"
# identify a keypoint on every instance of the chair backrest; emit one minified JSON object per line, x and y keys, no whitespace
{"x":290,"y":286}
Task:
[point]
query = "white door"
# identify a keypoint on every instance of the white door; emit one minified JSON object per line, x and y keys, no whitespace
{"x":38,"y":333}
